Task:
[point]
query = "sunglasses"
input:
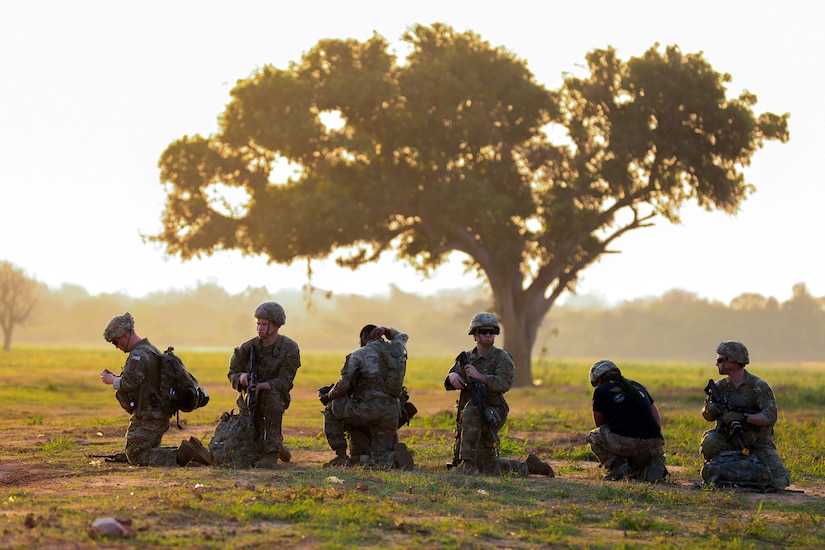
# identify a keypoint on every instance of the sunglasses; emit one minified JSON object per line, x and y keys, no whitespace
{"x":720,"y":360}
{"x":114,"y":341}
{"x":486,"y":331}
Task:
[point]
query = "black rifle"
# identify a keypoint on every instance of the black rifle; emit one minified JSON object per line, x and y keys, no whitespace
{"x":114,"y":457}
{"x":478,"y":391}
{"x":735,"y":428}
{"x":251,"y":394}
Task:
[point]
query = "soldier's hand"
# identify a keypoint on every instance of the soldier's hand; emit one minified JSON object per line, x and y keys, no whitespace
{"x":732,"y":417}
{"x":378,"y":332}
{"x":261,"y":387}
{"x":456,"y":381}
{"x":243,"y":379}
{"x":713,"y":410}
{"x":325,"y":399}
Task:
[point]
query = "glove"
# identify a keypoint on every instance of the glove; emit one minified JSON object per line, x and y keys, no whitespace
{"x":732,"y":417}
{"x":714,"y":410}
{"x":325,"y":399}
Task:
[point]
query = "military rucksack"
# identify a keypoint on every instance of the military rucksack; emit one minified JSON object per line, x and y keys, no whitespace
{"x":733,"y":469}
{"x":234,"y":442}
{"x":393,"y":365}
{"x":178,"y":389}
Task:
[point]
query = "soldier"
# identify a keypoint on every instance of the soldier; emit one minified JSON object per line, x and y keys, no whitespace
{"x":271,"y":359}
{"x":753,"y":407}
{"x":628,"y":437}
{"x":137,"y":390}
{"x":475,"y":448}
{"x":357,"y":405}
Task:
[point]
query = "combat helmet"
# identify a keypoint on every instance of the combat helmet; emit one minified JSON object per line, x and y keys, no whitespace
{"x":483,"y":319}
{"x":119,"y":326}
{"x":271,"y":311}
{"x":734,"y":351}
{"x":600,"y":368}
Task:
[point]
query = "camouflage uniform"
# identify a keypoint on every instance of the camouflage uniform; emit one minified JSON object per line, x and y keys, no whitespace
{"x":359,"y":406}
{"x":138,"y":383}
{"x":753,"y":396}
{"x":473,"y":440}
{"x":277,"y":365}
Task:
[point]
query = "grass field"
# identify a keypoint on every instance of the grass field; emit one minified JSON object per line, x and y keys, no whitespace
{"x":55,"y":412}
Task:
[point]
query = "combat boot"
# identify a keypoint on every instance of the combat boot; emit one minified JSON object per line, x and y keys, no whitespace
{"x":186,"y":454}
{"x":340,"y":460}
{"x":284,"y":454}
{"x":202,"y":454}
{"x":618,"y":470}
{"x":268,"y":462}
{"x":403,"y":459}
{"x":536,"y":466}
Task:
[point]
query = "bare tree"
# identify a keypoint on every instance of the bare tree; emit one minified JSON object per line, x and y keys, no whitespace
{"x":18,"y":298}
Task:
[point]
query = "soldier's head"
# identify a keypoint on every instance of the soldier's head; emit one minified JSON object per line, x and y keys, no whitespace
{"x":600,"y":368}
{"x":484,"y":320}
{"x":735,"y":352}
{"x":271,"y":317}
{"x":119,"y":330}
{"x":483,"y":328}
{"x":364,"y":335}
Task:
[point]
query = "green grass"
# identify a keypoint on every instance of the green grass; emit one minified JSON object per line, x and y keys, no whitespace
{"x":56,"y":411}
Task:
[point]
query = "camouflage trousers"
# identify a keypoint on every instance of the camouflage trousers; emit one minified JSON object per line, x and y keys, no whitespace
{"x":143,"y":443}
{"x":475,"y":443}
{"x":268,"y":420}
{"x":642,"y":453}
{"x":715,"y":442}
{"x":372,"y":426}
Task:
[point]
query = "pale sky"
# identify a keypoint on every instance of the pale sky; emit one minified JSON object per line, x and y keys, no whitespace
{"x":92,"y":92}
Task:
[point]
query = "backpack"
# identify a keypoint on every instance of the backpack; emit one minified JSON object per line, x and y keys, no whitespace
{"x":394,"y":362}
{"x":234,"y":442}
{"x":178,"y":389}
{"x":732,"y":469}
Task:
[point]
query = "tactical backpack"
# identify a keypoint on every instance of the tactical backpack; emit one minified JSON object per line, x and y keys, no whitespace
{"x":394,"y":365}
{"x":733,"y":469}
{"x":234,"y":442}
{"x":179,"y":390}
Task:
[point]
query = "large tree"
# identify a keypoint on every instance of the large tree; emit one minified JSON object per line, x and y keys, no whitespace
{"x":18,"y":298}
{"x":458,"y":149}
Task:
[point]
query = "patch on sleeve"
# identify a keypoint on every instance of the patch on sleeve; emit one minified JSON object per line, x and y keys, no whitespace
{"x":134,"y":357}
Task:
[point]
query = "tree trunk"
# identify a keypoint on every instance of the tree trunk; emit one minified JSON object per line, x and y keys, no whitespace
{"x":520,"y":346}
{"x":520,"y":315}
{"x":7,"y":340}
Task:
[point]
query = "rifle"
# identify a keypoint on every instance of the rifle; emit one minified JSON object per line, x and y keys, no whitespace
{"x":478,"y":391}
{"x":251,"y":394}
{"x":114,"y":457}
{"x":735,"y":428}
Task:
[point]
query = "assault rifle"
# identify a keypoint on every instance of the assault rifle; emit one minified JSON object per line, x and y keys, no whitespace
{"x":478,"y":391}
{"x":735,"y":428}
{"x":114,"y":457}
{"x":251,"y":394}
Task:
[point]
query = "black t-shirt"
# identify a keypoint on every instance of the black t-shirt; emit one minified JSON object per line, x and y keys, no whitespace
{"x":625,"y":415}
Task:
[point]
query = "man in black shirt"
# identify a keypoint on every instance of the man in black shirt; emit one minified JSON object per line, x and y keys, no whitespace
{"x":628,"y":437}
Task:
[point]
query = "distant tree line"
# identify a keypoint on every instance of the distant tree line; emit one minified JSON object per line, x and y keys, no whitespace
{"x":676,"y":326}
{"x":681,"y":326}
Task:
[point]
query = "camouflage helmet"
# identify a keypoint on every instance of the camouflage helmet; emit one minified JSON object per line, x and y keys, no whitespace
{"x":734,"y":351}
{"x":600,"y":368}
{"x":271,"y":311}
{"x":483,"y":319}
{"x":119,"y":326}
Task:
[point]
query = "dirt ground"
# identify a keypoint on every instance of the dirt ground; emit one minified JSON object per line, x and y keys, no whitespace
{"x":23,"y":473}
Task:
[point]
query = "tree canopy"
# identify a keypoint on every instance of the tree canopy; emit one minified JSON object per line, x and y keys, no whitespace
{"x":457,"y":148}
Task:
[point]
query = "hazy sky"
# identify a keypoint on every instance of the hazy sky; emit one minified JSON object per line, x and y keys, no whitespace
{"x":91,"y":93}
